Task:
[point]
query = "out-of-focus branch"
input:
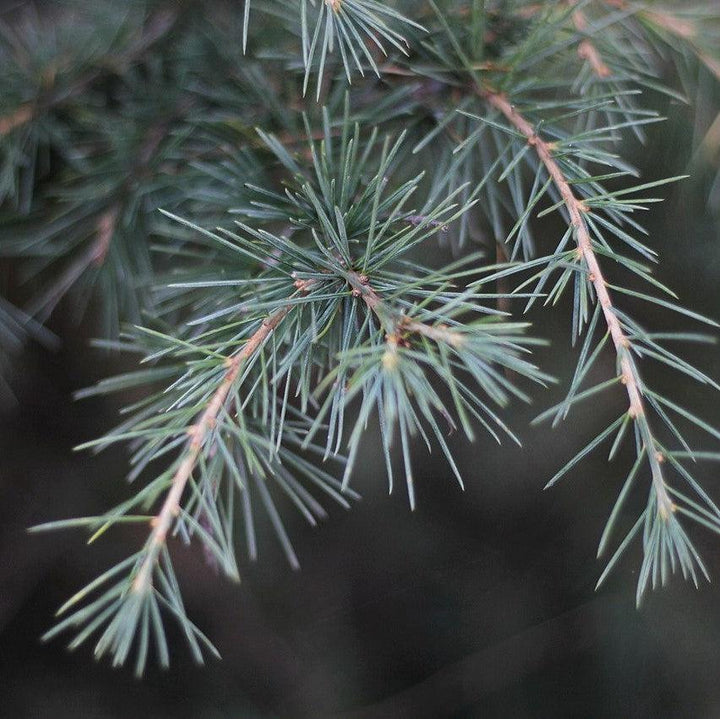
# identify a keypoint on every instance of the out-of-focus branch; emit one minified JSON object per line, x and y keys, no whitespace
{"x":587,"y":50}
{"x":157,"y":27}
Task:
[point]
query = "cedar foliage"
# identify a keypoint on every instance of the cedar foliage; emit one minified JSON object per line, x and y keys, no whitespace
{"x":249,"y":191}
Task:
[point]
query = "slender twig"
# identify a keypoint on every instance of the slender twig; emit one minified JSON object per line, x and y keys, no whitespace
{"x":587,"y":50}
{"x":360,"y":285}
{"x":576,"y":209}
{"x":157,"y":27}
{"x":15,"y":119}
{"x":94,"y":255}
{"x":683,"y":29}
{"x":395,"y":323}
{"x":162,"y":522}
{"x":106,"y":224}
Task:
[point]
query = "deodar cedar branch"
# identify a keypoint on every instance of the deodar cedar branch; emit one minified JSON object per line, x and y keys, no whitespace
{"x":630,"y":376}
{"x":170,"y":509}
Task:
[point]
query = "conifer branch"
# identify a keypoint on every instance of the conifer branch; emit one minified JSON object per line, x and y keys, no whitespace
{"x":282,"y":337}
{"x":15,"y":119}
{"x":397,"y":324}
{"x":156,"y":28}
{"x":93,"y":256}
{"x":586,"y":48}
{"x":111,"y":213}
{"x":106,"y":224}
{"x":664,"y":19}
{"x":629,"y":374}
{"x":162,"y":522}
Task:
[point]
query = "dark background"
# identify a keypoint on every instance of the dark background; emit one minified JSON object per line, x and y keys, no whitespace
{"x":479,"y":604}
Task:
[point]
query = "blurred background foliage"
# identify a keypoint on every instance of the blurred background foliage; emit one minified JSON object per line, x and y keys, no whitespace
{"x":479,"y":604}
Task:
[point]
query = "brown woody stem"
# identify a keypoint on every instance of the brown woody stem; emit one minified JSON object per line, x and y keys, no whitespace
{"x":19,"y":117}
{"x":587,"y":50}
{"x":394,"y":323}
{"x":686,"y":30}
{"x":162,"y":522}
{"x":157,"y":27}
{"x":629,"y":374}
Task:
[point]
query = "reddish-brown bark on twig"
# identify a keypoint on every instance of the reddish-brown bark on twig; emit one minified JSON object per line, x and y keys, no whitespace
{"x":629,"y":374}
{"x":198,"y":434}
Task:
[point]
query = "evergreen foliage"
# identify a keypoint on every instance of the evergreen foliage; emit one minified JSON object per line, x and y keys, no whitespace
{"x":249,"y":192}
